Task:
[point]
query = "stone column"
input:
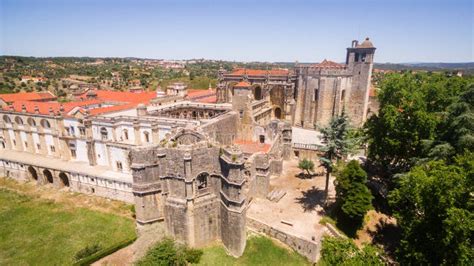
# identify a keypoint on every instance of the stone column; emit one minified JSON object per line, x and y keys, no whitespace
{"x":300,"y":99}
{"x":136,"y":128}
{"x":155,"y":133}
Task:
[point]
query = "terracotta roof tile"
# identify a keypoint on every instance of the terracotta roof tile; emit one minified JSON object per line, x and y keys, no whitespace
{"x":122,"y":96}
{"x":242,"y":84}
{"x":202,"y":96}
{"x":251,"y":146}
{"x":329,"y":64}
{"x":44,"y":107}
{"x":28,"y":96}
{"x":259,"y":72}
{"x":110,"y":109}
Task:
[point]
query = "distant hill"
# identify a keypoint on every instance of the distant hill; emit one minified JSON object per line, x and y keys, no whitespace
{"x":466,"y":67}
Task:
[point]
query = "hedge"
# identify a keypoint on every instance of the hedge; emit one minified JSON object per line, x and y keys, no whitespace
{"x":104,"y":252}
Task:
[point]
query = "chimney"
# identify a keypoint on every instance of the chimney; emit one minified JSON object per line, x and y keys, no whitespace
{"x":23,"y":108}
{"x":141,"y":110}
{"x":355,"y":43}
{"x":61,"y":108}
{"x":50,"y":110}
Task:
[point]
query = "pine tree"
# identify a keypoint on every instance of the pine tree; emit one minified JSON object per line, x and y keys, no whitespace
{"x":337,"y":144}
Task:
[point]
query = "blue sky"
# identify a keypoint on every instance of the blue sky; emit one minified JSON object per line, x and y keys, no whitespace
{"x":244,"y":30}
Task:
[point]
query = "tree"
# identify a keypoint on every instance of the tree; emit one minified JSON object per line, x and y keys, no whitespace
{"x":456,"y":130}
{"x":337,"y":144}
{"x":352,"y":195}
{"x":412,"y":106}
{"x":306,"y":165}
{"x":343,"y":251}
{"x":434,"y":208}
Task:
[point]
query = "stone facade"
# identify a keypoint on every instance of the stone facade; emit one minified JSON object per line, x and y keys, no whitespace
{"x":193,"y":166}
{"x":199,"y":188}
{"x":309,"y":95}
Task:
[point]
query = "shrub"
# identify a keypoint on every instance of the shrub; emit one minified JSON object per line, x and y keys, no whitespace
{"x":167,"y":252}
{"x":193,"y":255}
{"x":87,"y":251}
{"x":343,"y":251}
{"x":132,"y":209}
{"x":306,"y":165}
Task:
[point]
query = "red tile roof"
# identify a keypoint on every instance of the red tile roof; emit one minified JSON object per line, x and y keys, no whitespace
{"x":28,"y":96}
{"x":329,"y":64}
{"x":242,"y":84}
{"x":110,"y":109}
{"x":210,"y":99}
{"x":259,"y":72}
{"x":122,"y":96}
{"x":252,"y":147}
{"x":45,"y":107}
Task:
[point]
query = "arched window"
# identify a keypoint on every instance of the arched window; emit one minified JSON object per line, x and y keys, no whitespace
{"x":125,"y":134}
{"x":147,"y":136}
{"x":18,"y":120}
{"x":45,"y":123}
{"x":202,"y":180}
{"x":7,"y":119}
{"x":103,"y":133}
{"x":31,"y":122}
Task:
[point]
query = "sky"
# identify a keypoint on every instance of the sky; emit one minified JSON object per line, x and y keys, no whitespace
{"x":243,"y":30}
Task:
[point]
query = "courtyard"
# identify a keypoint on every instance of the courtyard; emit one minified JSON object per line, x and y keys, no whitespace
{"x":299,"y":211}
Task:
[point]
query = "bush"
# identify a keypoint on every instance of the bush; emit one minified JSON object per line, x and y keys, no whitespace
{"x":343,"y":251}
{"x":167,"y":252}
{"x":306,"y":165}
{"x":88,"y":260}
{"x":87,"y":251}
{"x":193,"y":255}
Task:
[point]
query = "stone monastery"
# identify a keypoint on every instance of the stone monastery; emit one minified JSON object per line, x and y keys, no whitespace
{"x":191,"y":159}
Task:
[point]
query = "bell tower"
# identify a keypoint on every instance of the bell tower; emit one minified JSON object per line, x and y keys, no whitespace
{"x":359,"y":60}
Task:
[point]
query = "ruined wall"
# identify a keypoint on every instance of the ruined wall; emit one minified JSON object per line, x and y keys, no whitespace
{"x":223,"y":129}
{"x":308,"y":248}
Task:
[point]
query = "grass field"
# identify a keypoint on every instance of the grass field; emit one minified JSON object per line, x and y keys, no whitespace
{"x":259,"y":251}
{"x":35,"y":231}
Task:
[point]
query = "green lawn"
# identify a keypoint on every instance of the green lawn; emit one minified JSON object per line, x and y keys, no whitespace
{"x":39,"y":232}
{"x":259,"y":251}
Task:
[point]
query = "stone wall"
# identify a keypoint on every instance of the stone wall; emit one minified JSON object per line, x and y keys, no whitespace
{"x":223,"y":129}
{"x":308,"y":248}
{"x":76,"y":181}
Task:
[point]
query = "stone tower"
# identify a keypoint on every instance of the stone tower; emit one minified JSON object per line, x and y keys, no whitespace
{"x":359,"y":60}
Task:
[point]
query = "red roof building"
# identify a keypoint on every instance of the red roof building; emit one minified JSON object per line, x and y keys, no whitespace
{"x":27,"y":96}
{"x":259,"y":72}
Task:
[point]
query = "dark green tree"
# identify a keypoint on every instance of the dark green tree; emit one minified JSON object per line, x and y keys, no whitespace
{"x":456,"y":130}
{"x":434,"y":208}
{"x":343,"y":251}
{"x":353,"y":197}
{"x":337,"y":144}
{"x":412,"y":108}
